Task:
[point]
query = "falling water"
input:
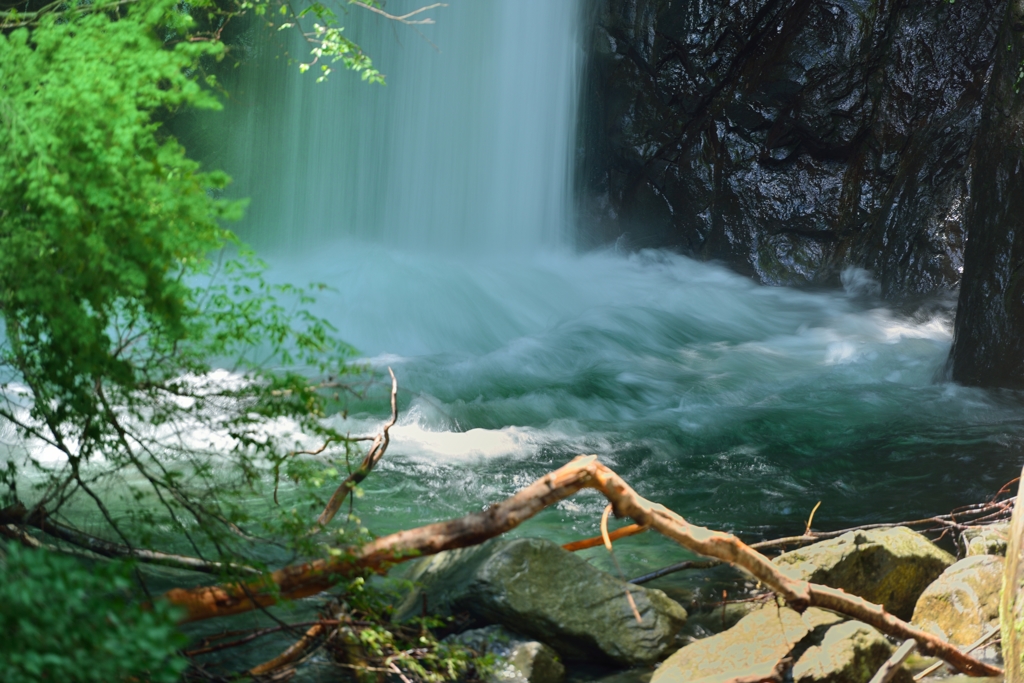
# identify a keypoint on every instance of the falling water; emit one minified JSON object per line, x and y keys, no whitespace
{"x":467,"y":147}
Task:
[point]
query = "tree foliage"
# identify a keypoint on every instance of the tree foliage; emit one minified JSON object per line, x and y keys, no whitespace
{"x":113,"y":304}
{"x":158,"y":386}
{"x":65,"y":622}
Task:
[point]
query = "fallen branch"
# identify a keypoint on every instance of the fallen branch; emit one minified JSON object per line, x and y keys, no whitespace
{"x":376,"y":452}
{"x":990,"y":513}
{"x":583,"y":472}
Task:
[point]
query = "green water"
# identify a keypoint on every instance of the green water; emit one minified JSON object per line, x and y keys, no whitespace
{"x":736,"y":405}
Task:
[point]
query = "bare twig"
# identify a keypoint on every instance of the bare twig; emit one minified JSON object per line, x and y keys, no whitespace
{"x":673,"y":568}
{"x":625,"y":531}
{"x":109,"y":549}
{"x":615,"y":561}
{"x":258,"y":633}
{"x":405,"y":18}
{"x":807,"y":529}
{"x":294,"y":651}
{"x":376,"y":452}
{"x":892,"y":665}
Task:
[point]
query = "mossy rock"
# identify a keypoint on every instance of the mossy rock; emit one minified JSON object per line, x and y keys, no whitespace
{"x":517,"y":659}
{"x":986,"y":540}
{"x":890,"y":567}
{"x":850,"y":652}
{"x":534,"y":587}
{"x":963,"y":603}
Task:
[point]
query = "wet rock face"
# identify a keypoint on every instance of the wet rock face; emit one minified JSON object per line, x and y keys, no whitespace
{"x":988,"y":343}
{"x":788,"y":138}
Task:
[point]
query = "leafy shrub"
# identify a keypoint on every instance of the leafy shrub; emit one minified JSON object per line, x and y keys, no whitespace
{"x":66,"y":622}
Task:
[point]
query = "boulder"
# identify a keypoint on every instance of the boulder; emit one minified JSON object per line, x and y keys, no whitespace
{"x":891,"y":567}
{"x":826,"y":649}
{"x":850,"y":652}
{"x":963,"y":603}
{"x":751,"y":647}
{"x":517,"y":659}
{"x":986,"y":540}
{"x":534,"y":587}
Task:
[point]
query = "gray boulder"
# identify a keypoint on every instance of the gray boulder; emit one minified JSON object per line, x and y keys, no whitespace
{"x":963,"y":603}
{"x":536,"y":588}
{"x":517,"y":659}
{"x":890,"y":567}
{"x":986,"y":540}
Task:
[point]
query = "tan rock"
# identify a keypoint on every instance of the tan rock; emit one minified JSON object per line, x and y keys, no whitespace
{"x":891,"y":567}
{"x":751,"y":647}
{"x":963,"y":603}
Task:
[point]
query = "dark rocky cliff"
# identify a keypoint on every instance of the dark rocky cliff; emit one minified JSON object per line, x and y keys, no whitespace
{"x":988,"y":348}
{"x":788,"y":138}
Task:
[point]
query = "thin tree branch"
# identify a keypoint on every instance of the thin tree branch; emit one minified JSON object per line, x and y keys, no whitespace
{"x":403,"y":19}
{"x":19,"y":515}
{"x":376,"y":452}
{"x":892,"y":665}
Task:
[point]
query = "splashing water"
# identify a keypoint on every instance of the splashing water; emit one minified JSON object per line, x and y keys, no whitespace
{"x":735,"y":404}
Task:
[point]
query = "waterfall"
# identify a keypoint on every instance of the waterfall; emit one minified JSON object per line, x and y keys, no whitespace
{"x":467,"y":148}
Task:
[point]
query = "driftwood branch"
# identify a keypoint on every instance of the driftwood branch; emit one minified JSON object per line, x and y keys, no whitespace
{"x":584,"y":472}
{"x":1009,"y":609}
{"x":373,"y":456}
{"x":971,"y":516}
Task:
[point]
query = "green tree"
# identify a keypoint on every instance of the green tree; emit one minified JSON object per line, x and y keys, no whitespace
{"x":63,"y":621}
{"x":154,"y":379}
